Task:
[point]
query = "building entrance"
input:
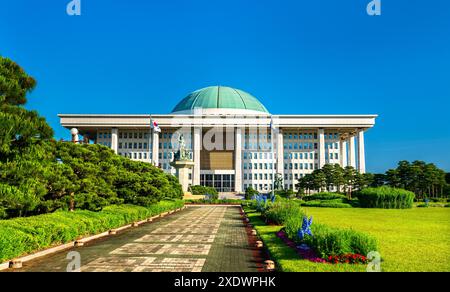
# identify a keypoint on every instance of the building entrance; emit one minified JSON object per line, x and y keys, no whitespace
{"x":223,"y":183}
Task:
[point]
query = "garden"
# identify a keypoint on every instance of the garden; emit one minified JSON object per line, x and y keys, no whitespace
{"x":387,"y":234}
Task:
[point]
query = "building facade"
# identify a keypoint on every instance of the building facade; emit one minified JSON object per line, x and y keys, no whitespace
{"x":234,"y":141}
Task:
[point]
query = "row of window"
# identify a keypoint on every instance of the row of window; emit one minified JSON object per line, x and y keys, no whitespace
{"x":135,"y":155}
{"x":256,"y":155}
{"x":311,"y":166}
{"x":259,"y":165}
{"x":308,"y":136}
{"x":258,"y":176}
{"x":134,"y":145}
{"x":133,"y":135}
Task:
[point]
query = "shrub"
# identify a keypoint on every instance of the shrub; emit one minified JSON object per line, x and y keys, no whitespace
{"x":250,"y":192}
{"x":324,"y":196}
{"x":386,"y":198}
{"x":280,"y":211}
{"x":20,"y":236}
{"x":327,"y":204}
{"x":203,"y":191}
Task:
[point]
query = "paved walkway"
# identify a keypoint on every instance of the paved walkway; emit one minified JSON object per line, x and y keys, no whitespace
{"x":206,"y":239}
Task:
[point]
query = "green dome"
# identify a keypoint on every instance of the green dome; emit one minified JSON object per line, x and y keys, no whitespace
{"x":219,"y":97}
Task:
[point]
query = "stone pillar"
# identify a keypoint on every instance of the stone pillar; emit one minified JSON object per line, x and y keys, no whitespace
{"x":238,"y":160}
{"x":114,"y":139}
{"x":196,"y":150}
{"x":155,"y":148}
{"x":343,"y":153}
{"x":279,"y":152}
{"x":182,"y":172}
{"x":321,"y":136}
{"x":352,"y":156}
{"x":361,"y":153}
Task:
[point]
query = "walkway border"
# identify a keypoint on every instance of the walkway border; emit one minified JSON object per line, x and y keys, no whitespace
{"x":17,"y":262}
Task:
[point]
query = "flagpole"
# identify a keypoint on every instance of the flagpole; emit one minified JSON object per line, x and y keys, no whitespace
{"x":150,"y":144}
{"x":273,"y":156}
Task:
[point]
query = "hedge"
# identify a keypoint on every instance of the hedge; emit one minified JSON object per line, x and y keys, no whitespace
{"x":20,"y":236}
{"x":327,"y":204}
{"x":386,"y":198}
{"x":324,"y":196}
{"x":203,"y":191}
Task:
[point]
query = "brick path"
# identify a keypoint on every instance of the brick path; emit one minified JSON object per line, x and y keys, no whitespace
{"x":207,"y":239}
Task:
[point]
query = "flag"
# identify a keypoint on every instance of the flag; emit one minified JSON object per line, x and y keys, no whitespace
{"x":155,"y":126}
{"x":272,"y":126}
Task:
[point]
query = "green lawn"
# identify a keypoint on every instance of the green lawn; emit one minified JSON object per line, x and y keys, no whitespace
{"x":409,"y":240}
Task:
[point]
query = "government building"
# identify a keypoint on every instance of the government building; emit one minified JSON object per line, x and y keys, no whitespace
{"x":233,"y":140}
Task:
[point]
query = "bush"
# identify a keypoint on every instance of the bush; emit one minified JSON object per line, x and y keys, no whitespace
{"x":250,"y":192}
{"x":327,"y":204}
{"x":386,"y":198}
{"x":203,"y":191}
{"x":329,"y":241}
{"x":288,"y":194}
{"x":324,"y":196}
{"x":21,"y":236}
{"x":281,"y":211}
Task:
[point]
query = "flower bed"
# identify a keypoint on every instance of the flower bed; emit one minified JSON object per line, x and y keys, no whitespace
{"x":316,"y":242}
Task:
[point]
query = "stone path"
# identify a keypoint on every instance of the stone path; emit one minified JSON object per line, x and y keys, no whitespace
{"x":197,"y":239}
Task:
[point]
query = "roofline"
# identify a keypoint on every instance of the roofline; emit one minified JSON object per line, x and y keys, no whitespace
{"x":193,"y":115}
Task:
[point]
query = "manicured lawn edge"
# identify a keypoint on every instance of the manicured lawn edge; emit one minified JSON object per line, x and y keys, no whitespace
{"x":23,"y":236}
{"x":274,"y":245}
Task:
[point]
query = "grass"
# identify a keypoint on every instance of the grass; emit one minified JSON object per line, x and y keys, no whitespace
{"x":416,"y":239}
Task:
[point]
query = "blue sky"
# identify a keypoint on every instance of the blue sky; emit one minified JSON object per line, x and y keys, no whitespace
{"x":300,"y":57}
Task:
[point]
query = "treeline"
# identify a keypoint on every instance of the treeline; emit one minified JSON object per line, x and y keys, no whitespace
{"x":333,"y":177}
{"x":423,"y":179}
{"x":426,"y":180}
{"x":39,"y":175}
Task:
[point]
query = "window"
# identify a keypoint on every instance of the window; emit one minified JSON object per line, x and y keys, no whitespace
{"x":145,"y":155}
{"x":120,"y":145}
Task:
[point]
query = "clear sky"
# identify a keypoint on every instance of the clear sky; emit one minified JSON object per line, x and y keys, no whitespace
{"x":297,"y":57}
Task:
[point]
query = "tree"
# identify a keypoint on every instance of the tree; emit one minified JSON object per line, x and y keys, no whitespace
{"x":379,"y":179}
{"x":349,"y":180}
{"x":14,"y":83}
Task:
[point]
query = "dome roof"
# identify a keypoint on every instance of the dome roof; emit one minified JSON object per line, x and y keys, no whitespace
{"x":219,"y":99}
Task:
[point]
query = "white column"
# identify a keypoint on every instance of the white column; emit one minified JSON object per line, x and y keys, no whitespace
{"x":343,"y":153}
{"x":197,"y":149}
{"x":361,"y":153}
{"x":280,"y":152}
{"x":238,"y":160}
{"x":155,"y":148}
{"x":321,"y":135}
{"x":352,"y":156}
{"x":114,"y":139}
